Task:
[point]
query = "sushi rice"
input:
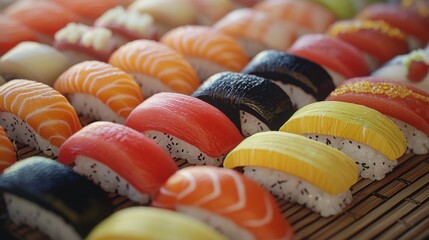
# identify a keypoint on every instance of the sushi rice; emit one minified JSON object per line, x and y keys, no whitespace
{"x":417,"y":141}
{"x":149,"y":85}
{"x":251,"y":124}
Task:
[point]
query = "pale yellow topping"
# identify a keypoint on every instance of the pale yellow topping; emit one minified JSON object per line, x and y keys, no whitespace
{"x":358,"y":25}
{"x":312,"y":161}
{"x":350,"y":121}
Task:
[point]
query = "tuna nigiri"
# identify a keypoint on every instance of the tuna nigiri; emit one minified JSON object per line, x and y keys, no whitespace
{"x":12,"y":33}
{"x":257,"y":31}
{"x":228,"y":201}
{"x":186,"y":127}
{"x":297,"y":169}
{"x":48,"y":196}
{"x":100,"y":91}
{"x":364,"y":134}
{"x":38,"y":15}
{"x":209,"y":51}
{"x":152,"y":224}
{"x":156,"y":67}
{"x":37,"y":115}
{"x":310,"y":17}
{"x":408,"y":107}
{"x":7,"y":151}
{"x":118,"y":159}
{"x":35,"y":61}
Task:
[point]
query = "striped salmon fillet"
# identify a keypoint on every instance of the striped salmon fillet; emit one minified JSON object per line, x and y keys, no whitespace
{"x":109,"y":84}
{"x":158,"y":61}
{"x":41,"y":107}
{"x":7,"y":151}
{"x":207,"y":43}
{"x":226,"y":193}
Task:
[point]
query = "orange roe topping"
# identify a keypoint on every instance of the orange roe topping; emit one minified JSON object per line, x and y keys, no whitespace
{"x":357,"y":25}
{"x":389,"y":89}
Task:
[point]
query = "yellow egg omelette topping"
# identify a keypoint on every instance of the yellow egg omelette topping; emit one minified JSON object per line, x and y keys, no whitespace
{"x":379,"y":88}
{"x":321,"y":165}
{"x":358,"y":25}
{"x":350,"y":121}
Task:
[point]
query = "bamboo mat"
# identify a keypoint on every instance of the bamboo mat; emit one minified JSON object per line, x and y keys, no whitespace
{"x":396,"y":207}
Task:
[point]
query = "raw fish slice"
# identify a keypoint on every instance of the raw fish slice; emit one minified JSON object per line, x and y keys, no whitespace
{"x":46,"y":195}
{"x":152,"y":224}
{"x":209,"y":51}
{"x":100,"y":91}
{"x":252,"y":103}
{"x":39,"y":15}
{"x":302,"y":80}
{"x":118,"y":159}
{"x":257,"y":31}
{"x":168,"y":14}
{"x":12,"y":33}
{"x":210,"y":11}
{"x":310,"y":17}
{"x":408,"y":106}
{"x":37,"y":115}
{"x":127,"y":25}
{"x":379,"y":41}
{"x":186,"y":127}
{"x":339,"y":58}
{"x":35,"y":61}
{"x":364,"y":134}
{"x":7,"y":151}
{"x":156,"y":67}
{"x":297,"y":169}
{"x":227,"y":200}
{"x":408,"y":21}
{"x":81,"y":43}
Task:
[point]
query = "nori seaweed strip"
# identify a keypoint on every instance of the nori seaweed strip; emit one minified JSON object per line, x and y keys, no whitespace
{"x":232,"y":92}
{"x":57,"y":188}
{"x":290,"y":69}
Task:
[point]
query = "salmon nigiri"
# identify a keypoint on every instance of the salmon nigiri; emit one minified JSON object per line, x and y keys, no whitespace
{"x":209,"y":51}
{"x":7,"y":151}
{"x":156,"y":67}
{"x":38,"y":15}
{"x":12,"y":32}
{"x":227,"y":200}
{"x":37,"y":115}
{"x":100,"y":91}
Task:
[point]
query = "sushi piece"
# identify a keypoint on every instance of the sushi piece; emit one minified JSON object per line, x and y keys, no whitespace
{"x":345,"y":8}
{"x":297,"y":169}
{"x":208,"y":50}
{"x":12,"y":33}
{"x":407,"y":20}
{"x":46,"y":195}
{"x":252,"y":103}
{"x":372,"y":140}
{"x":340,"y":59}
{"x":411,"y":68}
{"x":302,"y":80}
{"x":118,"y":159}
{"x":186,"y":127}
{"x":227,"y":200}
{"x":100,"y":91}
{"x":406,"y":106}
{"x":35,"y":61}
{"x":168,"y":14}
{"x":127,"y":25}
{"x":210,"y":11}
{"x":36,"y":115}
{"x":80,"y":43}
{"x":38,"y":15}
{"x":156,"y":67}
{"x":7,"y":151}
{"x":309,"y":16}
{"x":152,"y":224}
{"x":256,"y":31}
{"x":378,"y":41}
{"x":89,"y":10}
